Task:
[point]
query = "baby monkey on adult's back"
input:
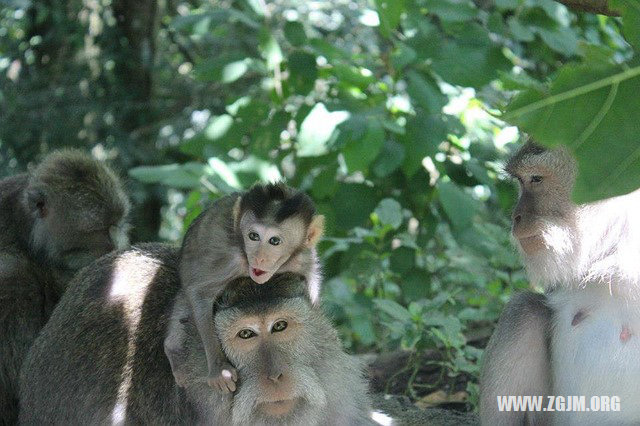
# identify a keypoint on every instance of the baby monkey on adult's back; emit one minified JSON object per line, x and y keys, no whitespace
{"x":270,"y":228}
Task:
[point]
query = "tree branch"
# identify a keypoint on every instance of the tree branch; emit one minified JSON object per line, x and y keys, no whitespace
{"x":594,"y":6}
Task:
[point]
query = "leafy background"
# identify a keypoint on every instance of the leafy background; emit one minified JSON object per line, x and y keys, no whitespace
{"x":396,"y":116}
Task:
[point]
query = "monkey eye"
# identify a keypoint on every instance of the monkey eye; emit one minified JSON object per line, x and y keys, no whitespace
{"x":536,"y":179}
{"x":274,"y":241}
{"x":246,"y":333}
{"x":253,"y":236}
{"x":279,"y":326}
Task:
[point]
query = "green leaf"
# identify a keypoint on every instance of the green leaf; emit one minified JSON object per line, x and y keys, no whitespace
{"x":520,"y":31}
{"x":507,"y":4}
{"x":185,"y":176}
{"x":303,"y":71}
{"x":389,"y":212}
{"x":353,"y":203}
{"x":317,"y":130}
{"x":389,"y":159}
{"x":595,"y":111}
{"x":360,"y":152}
{"x":471,"y":59}
{"x":294,"y":32}
{"x":233,"y":71}
{"x":226,"y":68}
{"x":403,"y":260}
{"x":415,"y":284}
{"x":561,"y":39}
{"x":402,"y":56}
{"x":270,"y":48}
{"x":389,"y":12}
{"x":630,"y":12}
{"x":457,"y":205}
{"x":424,"y":134}
{"x":425,"y":92}
{"x":325,"y":183}
{"x":393,"y":309}
{"x":203,"y":20}
{"x":452,"y":10}
{"x":520,"y":81}
{"x":352,"y":75}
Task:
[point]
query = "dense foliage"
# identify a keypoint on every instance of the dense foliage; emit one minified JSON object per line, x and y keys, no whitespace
{"x":391,"y":114}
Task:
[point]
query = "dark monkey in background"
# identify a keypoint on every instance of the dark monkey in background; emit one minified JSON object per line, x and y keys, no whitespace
{"x":270,"y":228}
{"x":100,"y":359}
{"x":67,"y":212}
{"x":582,"y":337}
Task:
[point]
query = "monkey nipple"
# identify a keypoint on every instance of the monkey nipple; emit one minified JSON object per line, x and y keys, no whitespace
{"x":578,"y":317}
{"x":625,"y":334}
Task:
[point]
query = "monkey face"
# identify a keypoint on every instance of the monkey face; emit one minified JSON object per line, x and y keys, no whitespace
{"x":545,"y":181}
{"x":269,"y":245}
{"x":71,"y":234}
{"x":266,"y":345}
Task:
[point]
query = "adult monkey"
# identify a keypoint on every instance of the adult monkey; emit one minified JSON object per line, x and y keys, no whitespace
{"x":100,"y":358}
{"x":581,"y":337}
{"x":68,"y":211}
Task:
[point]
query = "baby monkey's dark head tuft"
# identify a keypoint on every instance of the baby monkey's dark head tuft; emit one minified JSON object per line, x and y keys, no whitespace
{"x":278,"y":201}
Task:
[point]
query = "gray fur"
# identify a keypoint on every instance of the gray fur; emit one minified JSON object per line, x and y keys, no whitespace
{"x":107,"y":334}
{"x":516,"y":360}
{"x":213,"y":254}
{"x":579,"y":338}
{"x":77,"y":195}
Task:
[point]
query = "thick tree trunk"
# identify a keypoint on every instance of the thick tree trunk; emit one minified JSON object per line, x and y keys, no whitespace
{"x":136,"y":24}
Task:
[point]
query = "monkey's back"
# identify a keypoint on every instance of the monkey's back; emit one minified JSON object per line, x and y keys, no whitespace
{"x":100,"y":357}
{"x":211,"y":244}
{"x":11,"y":219}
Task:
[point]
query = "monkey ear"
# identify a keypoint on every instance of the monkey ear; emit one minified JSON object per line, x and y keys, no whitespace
{"x":36,"y":202}
{"x":315,"y":231}
{"x":236,"y":213}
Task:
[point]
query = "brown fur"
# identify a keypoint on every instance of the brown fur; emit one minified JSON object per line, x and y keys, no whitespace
{"x":53,"y":221}
{"x":100,"y":359}
{"x":217,"y":249}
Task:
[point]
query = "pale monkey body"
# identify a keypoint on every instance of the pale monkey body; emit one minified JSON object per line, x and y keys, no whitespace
{"x":218,"y":249}
{"x":583,"y":336}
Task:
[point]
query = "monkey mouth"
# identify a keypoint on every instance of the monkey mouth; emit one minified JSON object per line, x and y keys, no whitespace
{"x":532,"y":243}
{"x":257,"y":272}
{"x":259,"y":276}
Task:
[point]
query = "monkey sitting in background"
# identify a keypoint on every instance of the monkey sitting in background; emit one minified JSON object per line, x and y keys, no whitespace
{"x":270,"y":228}
{"x":100,"y":358}
{"x":582,"y":337}
{"x":70,"y":210}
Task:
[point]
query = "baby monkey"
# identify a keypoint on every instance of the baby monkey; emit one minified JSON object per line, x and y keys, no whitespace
{"x":270,"y":228}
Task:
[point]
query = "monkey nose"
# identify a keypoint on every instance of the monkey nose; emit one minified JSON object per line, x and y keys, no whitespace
{"x":275,"y":377}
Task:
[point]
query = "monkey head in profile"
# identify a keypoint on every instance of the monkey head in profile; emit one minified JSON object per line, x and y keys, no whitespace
{"x":78,"y":210}
{"x":545,"y":180}
{"x":562,"y":242}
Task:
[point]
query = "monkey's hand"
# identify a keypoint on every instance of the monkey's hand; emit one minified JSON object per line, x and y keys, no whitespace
{"x":223,"y":378}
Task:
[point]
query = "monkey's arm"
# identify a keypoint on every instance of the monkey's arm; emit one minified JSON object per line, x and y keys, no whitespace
{"x":221,"y":374}
{"x":517,"y":360}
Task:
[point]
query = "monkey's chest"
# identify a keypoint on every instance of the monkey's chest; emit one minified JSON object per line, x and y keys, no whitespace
{"x":595,"y":349}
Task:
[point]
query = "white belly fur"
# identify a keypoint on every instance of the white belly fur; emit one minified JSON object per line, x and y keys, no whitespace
{"x":590,"y":358}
